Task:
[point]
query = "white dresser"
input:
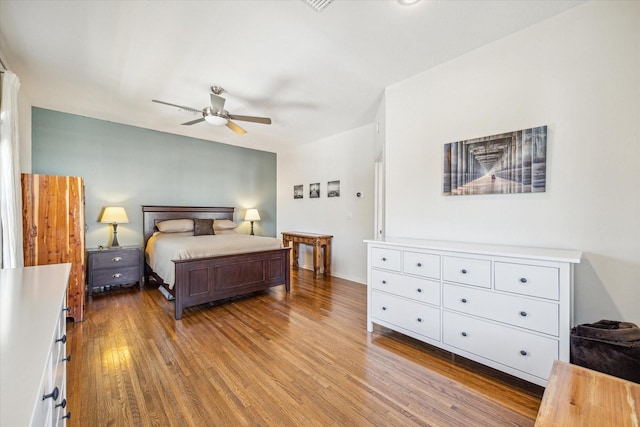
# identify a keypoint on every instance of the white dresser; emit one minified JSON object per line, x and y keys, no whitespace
{"x":33,"y":345}
{"x":507,"y":307}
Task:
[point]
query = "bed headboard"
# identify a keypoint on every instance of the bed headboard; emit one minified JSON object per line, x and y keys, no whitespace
{"x":151,"y":215}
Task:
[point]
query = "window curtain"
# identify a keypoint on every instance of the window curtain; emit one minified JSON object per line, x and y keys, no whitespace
{"x":10,"y":187}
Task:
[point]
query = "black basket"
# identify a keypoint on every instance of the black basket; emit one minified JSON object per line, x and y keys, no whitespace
{"x":608,"y":346}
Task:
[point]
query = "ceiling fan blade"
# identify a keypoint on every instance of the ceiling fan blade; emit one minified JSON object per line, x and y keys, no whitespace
{"x":195,"y":110}
{"x":193,"y":122}
{"x":263,"y":120}
{"x":217,"y":102}
{"x":234,"y":127}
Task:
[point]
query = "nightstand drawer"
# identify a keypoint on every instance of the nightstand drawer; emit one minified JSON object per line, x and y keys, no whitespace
{"x":116,"y":276}
{"x":115,"y":258}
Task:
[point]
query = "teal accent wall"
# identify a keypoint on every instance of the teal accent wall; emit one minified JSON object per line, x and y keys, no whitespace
{"x":129,"y":166}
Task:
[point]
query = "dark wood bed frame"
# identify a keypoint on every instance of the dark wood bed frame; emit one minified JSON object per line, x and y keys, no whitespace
{"x":203,"y":280}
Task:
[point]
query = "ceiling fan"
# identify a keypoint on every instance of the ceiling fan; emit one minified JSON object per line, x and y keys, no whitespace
{"x":217,"y":115}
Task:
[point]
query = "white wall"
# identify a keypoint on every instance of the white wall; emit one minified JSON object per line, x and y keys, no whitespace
{"x":579,"y":74}
{"x":347,"y":157}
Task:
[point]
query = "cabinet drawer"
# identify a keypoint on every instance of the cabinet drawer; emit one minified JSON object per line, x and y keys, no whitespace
{"x":413,"y":316}
{"x":115,"y":258}
{"x":388,"y":259}
{"x":116,"y":276}
{"x":541,"y":316}
{"x":421,"y":264}
{"x":410,"y":287}
{"x":537,"y":281}
{"x":475,"y":272}
{"x":520,"y":350}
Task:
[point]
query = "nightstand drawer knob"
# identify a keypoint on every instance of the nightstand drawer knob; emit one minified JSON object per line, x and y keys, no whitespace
{"x":116,"y":275}
{"x":63,"y":340}
{"x":53,"y":395}
{"x":116,"y":259}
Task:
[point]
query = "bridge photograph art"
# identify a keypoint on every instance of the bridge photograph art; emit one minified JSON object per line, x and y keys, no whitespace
{"x":513,"y":162}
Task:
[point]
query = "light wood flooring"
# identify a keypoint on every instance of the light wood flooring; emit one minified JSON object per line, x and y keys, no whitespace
{"x":273,"y":359}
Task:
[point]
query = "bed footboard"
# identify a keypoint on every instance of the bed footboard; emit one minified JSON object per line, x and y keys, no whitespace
{"x":203,"y":280}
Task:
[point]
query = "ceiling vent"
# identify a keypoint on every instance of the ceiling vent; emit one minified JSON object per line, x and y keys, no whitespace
{"x":318,"y":5}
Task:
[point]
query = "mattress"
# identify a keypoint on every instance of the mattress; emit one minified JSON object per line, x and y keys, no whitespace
{"x":163,"y":248}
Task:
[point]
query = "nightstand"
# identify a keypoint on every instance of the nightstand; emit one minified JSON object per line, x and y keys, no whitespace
{"x":114,"y":266}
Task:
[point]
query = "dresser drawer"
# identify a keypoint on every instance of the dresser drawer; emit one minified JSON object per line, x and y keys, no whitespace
{"x":422,"y":290}
{"x":475,"y":272}
{"x":537,"y":281}
{"x":114,"y":258}
{"x":520,"y":350}
{"x":536,"y":315}
{"x":413,"y":316}
{"x":421,"y":264}
{"x":389,"y":259}
{"x":116,"y":276}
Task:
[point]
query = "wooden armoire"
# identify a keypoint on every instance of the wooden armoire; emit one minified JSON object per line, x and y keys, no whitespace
{"x":53,"y":226}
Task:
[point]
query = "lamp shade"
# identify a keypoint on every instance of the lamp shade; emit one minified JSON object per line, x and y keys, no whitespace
{"x":252,"y":215}
{"x":114,"y":214}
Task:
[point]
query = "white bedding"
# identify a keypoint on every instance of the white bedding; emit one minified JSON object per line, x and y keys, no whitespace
{"x":162,"y":248}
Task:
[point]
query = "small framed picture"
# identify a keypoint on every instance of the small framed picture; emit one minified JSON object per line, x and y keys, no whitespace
{"x":314,"y":190}
{"x":298,"y":192}
{"x":333,"y":189}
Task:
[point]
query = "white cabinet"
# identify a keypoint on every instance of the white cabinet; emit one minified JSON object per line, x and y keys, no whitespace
{"x":507,"y":307}
{"x":33,"y":345}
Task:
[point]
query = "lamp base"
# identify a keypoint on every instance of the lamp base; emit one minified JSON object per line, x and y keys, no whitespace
{"x":251,"y":229}
{"x":114,"y":242}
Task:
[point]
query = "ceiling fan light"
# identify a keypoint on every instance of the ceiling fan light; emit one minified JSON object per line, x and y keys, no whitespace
{"x":215,"y":120}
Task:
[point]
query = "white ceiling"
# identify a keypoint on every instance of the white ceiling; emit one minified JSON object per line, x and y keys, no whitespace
{"x":315,"y":74}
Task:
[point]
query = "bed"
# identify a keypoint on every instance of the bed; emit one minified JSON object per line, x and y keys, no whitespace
{"x":204,"y":279}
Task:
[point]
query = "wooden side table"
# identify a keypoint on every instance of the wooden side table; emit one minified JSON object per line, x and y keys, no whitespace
{"x":114,"y":266}
{"x":577,"y":396}
{"x":318,"y":241}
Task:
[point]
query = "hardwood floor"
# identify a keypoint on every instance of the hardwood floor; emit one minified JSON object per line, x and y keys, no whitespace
{"x":303,"y":358}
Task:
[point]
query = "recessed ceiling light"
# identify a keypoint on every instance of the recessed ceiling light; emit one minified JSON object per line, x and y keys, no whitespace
{"x":408,"y":2}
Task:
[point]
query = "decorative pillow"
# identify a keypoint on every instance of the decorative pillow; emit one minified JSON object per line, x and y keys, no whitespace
{"x":203,"y":227}
{"x":175,"y":225}
{"x":224,"y":224}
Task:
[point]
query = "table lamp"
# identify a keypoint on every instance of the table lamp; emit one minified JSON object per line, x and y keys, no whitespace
{"x":114,"y":215}
{"x":252,"y":215}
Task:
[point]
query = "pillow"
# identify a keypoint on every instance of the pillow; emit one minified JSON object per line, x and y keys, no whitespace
{"x":224,"y":224}
{"x":203,"y":227}
{"x":219,"y":231}
{"x":175,"y":225}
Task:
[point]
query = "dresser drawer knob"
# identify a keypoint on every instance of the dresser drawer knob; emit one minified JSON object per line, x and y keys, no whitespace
{"x":419,"y":264}
{"x":384,"y":282}
{"x":384,"y":259}
{"x":53,"y":395}
{"x":116,"y":259}
{"x":463,"y":300}
{"x":419,"y":290}
{"x":68,"y":416}
{"x":523,"y":313}
{"x":67,"y":359}
{"x":63,"y":404}
{"x":523,"y":280}
{"x":63,"y":340}
{"x":419,"y":319}
{"x":522,"y":352}
{"x":384,"y":308}
{"x":116,"y":275}
{"x":463,"y":271}
{"x":67,"y":309}
{"x":464,"y":334}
